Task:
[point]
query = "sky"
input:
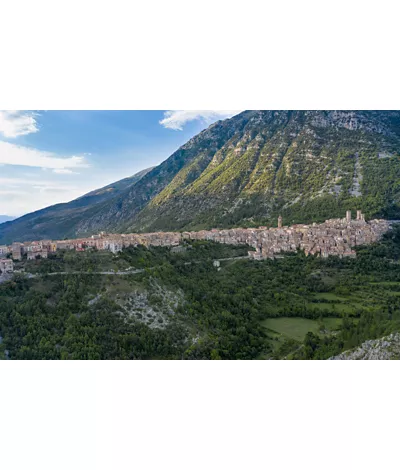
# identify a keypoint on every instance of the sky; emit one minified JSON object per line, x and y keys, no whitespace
{"x":48,"y":157}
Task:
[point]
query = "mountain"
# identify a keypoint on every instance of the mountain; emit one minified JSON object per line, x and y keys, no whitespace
{"x":58,"y":221}
{"x":306,"y":165}
{"x":5,"y":218}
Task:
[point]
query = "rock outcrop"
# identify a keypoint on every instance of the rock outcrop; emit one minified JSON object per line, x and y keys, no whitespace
{"x":376,"y":349}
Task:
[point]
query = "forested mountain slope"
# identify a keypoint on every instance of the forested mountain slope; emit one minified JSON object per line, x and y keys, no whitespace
{"x":307,"y":165}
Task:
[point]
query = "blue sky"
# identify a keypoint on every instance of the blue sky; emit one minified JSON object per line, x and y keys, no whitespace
{"x":47,"y":157}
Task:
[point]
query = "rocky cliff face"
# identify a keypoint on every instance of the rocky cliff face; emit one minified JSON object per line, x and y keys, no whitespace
{"x":306,"y":165}
{"x":377,"y":349}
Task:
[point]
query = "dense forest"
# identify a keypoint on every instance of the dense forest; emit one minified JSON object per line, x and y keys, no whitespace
{"x":161,"y":304}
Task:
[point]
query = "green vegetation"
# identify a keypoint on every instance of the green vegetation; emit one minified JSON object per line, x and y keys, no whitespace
{"x":296,"y":307}
{"x":93,"y":261}
{"x":297,"y":328}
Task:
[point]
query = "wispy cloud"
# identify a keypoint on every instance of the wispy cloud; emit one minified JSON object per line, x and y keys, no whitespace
{"x":34,"y":182}
{"x":16,"y":123}
{"x":11,"y":154}
{"x":19,"y":196}
{"x":177,"y":119}
{"x":63,"y":171}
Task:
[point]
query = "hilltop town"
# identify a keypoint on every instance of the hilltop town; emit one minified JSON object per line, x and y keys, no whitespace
{"x":336,"y":237}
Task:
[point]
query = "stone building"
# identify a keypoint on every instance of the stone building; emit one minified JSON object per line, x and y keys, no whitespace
{"x":32,"y":255}
{"x":16,"y":250}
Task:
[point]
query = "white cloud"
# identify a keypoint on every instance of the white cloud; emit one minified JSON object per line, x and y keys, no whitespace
{"x":177,"y":119}
{"x":11,"y":154}
{"x":63,"y":171}
{"x":16,"y":123}
{"x":9,"y":192}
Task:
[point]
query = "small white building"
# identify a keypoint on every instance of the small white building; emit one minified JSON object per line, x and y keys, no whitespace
{"x":115,"y":246}
{"x":3,"y":250}
{"x":6,"y":265}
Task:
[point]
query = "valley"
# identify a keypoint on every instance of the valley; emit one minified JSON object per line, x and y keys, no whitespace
{"x":303,"y":264}
{"x":183,"y":305}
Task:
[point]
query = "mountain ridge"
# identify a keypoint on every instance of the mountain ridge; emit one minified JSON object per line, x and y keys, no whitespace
{"x":55,"y":221}
{"x":6,"y":218}
{"x":245,"y":170}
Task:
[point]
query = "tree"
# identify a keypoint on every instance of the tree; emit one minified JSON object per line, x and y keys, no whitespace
{"x":214,"y":355}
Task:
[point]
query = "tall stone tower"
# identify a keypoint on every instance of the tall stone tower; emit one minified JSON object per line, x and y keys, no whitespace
{"x":280,"y":221}
{"x":16,"y":251}
{"x":348,"y":216}
{"x":360,"y":216}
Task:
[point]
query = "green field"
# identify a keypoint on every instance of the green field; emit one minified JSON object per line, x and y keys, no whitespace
{"x":296,"y":328}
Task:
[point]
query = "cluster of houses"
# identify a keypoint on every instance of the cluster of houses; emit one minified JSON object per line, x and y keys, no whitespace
{"x":33,"y":250}
{"x":103,"y":241}
{"x":333,"y":237}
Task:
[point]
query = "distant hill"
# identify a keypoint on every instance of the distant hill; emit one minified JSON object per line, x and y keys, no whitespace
{"x":58,"y":221}
{"x":5,"y":218}
{"x":245,"y":171}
